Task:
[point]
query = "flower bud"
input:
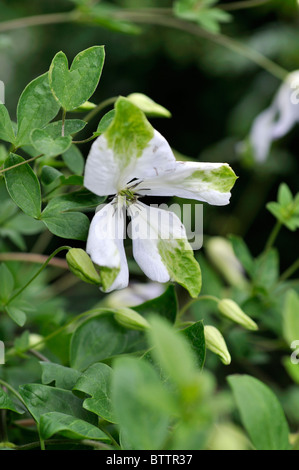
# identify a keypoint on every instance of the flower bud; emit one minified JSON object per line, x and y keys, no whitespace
{"x":221,"y":253}
{"x":87,"y":106}
{"x":81,"y":265}
{"x":231,"y":310}
{"x":148,"y":106}
{"x":216,"y":343}
{"x":131,"y":319}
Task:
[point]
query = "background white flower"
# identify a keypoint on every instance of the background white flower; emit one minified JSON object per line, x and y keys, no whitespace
{"x":277,"y":120}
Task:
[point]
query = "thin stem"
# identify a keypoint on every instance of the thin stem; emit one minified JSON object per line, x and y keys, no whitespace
{"x":13,"y":391}
{"x":38,"y":20}
{"x":225,"y":41}
{"x":44,"y":340}
{"x":273,"y":236}
{"x":33,"y":258}
{"x":86,"y":442}
{"x":78,"y":142}
{"x":38,"y":273}
{"x":193,"y":301}
{"x":243,"y":4}
{"x":21,"y":163}
{"x":99,"y":108}
{"x":290,"y":271}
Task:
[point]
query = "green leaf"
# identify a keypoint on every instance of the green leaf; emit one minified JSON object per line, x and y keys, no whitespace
{"x":41,"y":399}
{"x":290,"y":326}
{"x":6,"y":128}
{"x":23,"y":186}
{"x":101,"y":338}
{"x":7,"y":404}
{"x":242,"y":253}
{"x":181,"y":265}
{"x":47,"y":145}
{"x":261,"y":413}
{"x":139,"y":403}
{"x":16,"y":314}
{"x":102,"y":15}
{"x":196,"y":338}
{"x":71,"y":127}
{"x":76,"y":200}
{"x":266,"y":269}
{"x":74,"y":160}
{"x":166,"y":305}
{"x":36,"y":108}
{"x":74,"y":87}
{"x":172,"y":352}
{"x":105,"y":123}
{"x":70,"y":427}
{"x":72,"y":225}
{"x":96,"y":382}
{"x":64,"y":377}
{"x":7,"y":283}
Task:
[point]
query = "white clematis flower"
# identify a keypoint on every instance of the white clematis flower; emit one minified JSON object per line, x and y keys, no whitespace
{"x":131,"y":160}
{"x":278,"y":119}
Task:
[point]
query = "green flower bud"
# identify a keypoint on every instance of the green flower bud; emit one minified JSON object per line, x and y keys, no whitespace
{"x":231,"y":310}
{"x":148,"y":106}
{"x":81,"y":265}
{"x":216,"y":343}
{"x":131,"y":319}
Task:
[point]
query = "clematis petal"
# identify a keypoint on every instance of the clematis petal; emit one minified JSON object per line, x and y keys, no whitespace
{"x":102,"y":171}
{"x":261,"y":134}
{"x":287,"y":106}
{"x":208,"y":182}
{"x":105,"y":245}
{"x":161,"y":249}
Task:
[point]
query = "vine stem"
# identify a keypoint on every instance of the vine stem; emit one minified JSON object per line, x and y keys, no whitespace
{"x":104,"y":104}
{"x":220,"y":39}
{"x":13,"y":391}
{"x":291,"y":270}
{"x":39,"y":20}
{"x":33,"y":258}
{"x":193,"y":301}
{"x":273,"y":236}
{"x":38,"y":273}
{"x":21,"y":163}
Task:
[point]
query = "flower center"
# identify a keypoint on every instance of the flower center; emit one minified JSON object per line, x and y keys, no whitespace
{"x":128,"y":194}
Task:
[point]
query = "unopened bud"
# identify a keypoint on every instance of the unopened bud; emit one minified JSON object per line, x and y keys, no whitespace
{"x":148,"y":106}
{"x":216,"y":343}
{"x":131,"y":319}
{"x":231,"y":310}
{"x":222,"y":255}
{"x":81,"y":265}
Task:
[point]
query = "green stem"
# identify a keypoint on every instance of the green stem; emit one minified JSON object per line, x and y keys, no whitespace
{"x":21,"y":163}
{"x":33,"y":258}
{"x":78,"y":142}
{"x":44,"y":340}
{"x":38,"y":273}
{"x":243,"y":4}
{"x":273,"y":236}
{"x":13,"y":391}
{"x":99,"y":108}
{"x":39,"y":20}
{"x":222,"y":40}
{"x":290,"y":271}
{"x":193,"y":301}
